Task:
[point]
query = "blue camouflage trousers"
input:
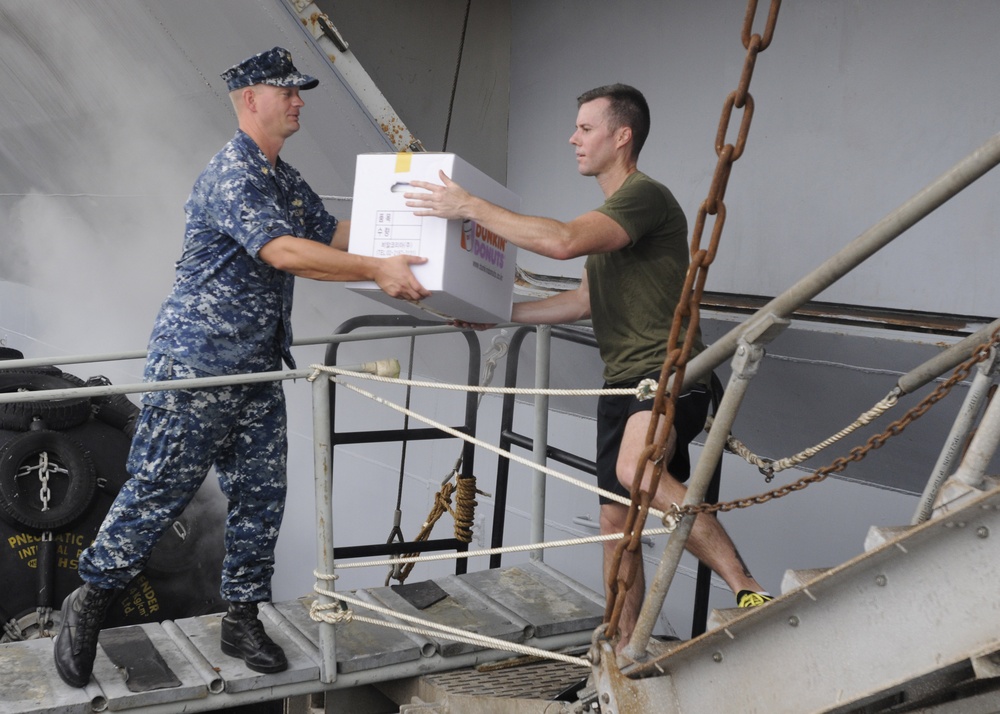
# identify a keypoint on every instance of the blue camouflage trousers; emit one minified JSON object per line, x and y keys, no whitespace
{"x":181,"y":434}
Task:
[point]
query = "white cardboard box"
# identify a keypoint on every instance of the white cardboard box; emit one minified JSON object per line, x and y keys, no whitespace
{"x":469,"y":270}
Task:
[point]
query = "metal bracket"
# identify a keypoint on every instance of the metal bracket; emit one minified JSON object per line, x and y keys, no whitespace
{"x":955,"y":494}
{"x":765,"y":328}
{"x":332,"y":33}
{"x":329,"y":39}
{"x":750,"y":349}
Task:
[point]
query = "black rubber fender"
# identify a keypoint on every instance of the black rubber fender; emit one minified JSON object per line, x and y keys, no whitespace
{"x":53,"y":413}
{"x":116,"y":410}
{"x":72,"y":480}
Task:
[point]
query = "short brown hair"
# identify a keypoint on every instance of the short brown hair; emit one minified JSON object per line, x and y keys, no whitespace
{"x":628,"y":108}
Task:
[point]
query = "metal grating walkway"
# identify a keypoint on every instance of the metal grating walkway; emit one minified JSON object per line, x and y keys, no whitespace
{"x":156,"y":667}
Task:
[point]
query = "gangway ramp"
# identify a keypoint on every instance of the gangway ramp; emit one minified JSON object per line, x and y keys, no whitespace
{"x":909,"y":625}
{"x":178,"y":665}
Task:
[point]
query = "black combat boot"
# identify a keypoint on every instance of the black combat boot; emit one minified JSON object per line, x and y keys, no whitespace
{"x":243,"y":636}
{"x":75,"y":647}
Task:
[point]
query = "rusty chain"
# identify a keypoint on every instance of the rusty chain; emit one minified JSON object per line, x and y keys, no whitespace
{"x":858,"y":453}
{"x":688,"y":311}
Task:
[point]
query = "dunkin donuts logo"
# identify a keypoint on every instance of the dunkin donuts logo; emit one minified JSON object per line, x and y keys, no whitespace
{"x":485,"y":245}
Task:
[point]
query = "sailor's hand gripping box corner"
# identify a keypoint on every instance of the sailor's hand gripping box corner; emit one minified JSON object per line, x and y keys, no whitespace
{"x":469,"y":270}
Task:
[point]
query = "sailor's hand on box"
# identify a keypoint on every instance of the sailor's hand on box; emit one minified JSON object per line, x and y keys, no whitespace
{"x":397,"y":280}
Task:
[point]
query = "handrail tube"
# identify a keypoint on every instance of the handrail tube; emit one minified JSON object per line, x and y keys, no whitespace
{"x":555,"y":454}
{"x":506,"y":422}
{"x":427,"y":329}
{"x":543,"y":351}
{"x":417,"y":434}
{"x":30,"y":362}
{"x":982,"y":446}
{"x":703,"y":573}
{"x":954,"y":445}
{"x":190,"y":383}
{"x":945,"y":360}
{"x":568,"y":334}
{"x":960,"y":176}
{"x":104,"y":390}
{"x":323,"y":475}
{"x":397,"y":548}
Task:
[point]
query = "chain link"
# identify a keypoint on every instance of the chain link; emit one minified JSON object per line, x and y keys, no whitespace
{"x":688,"y":311}
{"x":43,"y":475}
{"x":45,"y":469}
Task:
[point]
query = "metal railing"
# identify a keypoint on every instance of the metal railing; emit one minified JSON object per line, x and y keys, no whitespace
{"x":406,"y":434}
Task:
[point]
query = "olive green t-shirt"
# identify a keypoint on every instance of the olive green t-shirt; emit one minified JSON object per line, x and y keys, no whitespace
{"x":634,"y":291}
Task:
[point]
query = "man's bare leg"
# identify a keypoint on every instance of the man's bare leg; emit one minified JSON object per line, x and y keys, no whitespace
{"x":708,"y":541}
{"x":613,"y":516}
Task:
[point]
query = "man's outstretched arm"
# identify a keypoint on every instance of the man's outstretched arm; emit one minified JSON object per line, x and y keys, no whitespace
{"x":592,"y":232}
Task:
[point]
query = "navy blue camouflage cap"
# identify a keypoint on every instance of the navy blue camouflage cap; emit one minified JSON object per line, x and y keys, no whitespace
{"x":273,"y":67}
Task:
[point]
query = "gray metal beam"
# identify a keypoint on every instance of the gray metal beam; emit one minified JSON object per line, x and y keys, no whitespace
{"x":921,"y":604}
{"x":342,"y":60}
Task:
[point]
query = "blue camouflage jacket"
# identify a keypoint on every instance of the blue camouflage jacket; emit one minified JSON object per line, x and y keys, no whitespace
{"x":230,"y":312}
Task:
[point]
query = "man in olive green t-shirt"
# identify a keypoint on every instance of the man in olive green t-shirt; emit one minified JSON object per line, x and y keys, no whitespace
{"x":636,"y":244}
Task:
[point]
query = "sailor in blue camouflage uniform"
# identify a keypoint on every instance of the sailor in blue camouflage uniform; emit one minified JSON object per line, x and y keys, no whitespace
{"x":253,"y":224}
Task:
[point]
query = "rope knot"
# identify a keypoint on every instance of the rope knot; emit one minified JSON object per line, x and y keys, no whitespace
{"x":646,"y":389}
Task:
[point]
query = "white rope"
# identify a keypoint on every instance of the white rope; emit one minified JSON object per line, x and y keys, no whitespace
{"x":318,"y":612}
{"x":646,"y":389}
{"x":583,"y":540}
{"x":496,"y":450}
{"x":740,"y":449}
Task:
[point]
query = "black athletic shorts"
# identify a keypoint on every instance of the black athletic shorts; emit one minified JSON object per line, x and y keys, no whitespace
{"x":613,"y":412}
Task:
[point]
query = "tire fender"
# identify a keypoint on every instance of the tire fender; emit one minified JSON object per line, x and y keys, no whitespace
{"x":41,"y":460}
{"x":54,"y":413}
